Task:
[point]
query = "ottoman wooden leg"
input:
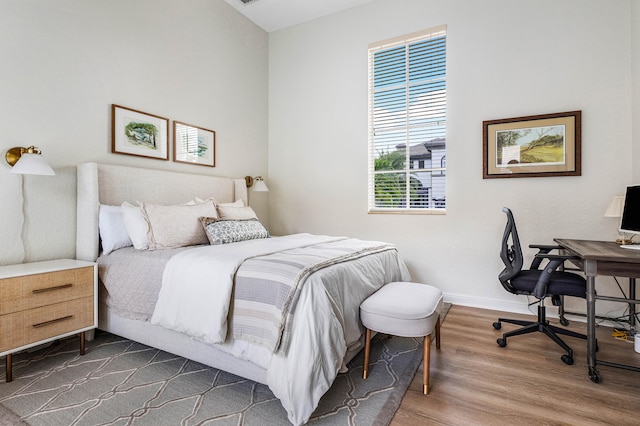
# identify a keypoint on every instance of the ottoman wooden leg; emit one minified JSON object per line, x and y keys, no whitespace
{"x":367,"y":347}
{"x":438,"y":333}
{"x":426,"y":358}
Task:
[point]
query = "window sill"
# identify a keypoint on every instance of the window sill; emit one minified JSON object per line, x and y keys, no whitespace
{"x":409,"y":211}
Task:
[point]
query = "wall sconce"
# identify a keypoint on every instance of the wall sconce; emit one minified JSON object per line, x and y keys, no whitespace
{"x":257,"y":183}
{"x":28,"y":161}
{"x":615,"y":210}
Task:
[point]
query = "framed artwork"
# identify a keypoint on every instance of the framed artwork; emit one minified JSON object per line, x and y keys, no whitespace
{"x":534,"y":146}
{"x":193,"y":144}
{"x":138,"y":133}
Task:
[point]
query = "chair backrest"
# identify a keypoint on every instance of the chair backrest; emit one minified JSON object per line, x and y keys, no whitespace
{"x":510,"y":252}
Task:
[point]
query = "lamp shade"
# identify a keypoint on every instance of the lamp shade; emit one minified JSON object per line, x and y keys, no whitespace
{"x":615,"y":207}
{"x":259,"y":185}
{"x":32,"y":164}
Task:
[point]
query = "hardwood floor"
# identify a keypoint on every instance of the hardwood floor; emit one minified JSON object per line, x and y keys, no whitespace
{"x":476,"y":382}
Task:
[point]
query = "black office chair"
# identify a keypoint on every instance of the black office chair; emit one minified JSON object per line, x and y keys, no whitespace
{"x":552,"y":281}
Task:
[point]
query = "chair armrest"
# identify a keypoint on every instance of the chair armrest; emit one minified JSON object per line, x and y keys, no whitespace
{"x":548,"y":247}
{"x":542,"y":249}
{"x":555,"y":256}
{"x":543,"y":253}
{"x":540,"y":290}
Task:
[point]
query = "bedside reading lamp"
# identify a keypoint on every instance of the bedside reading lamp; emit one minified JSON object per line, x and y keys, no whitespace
{"x":257,"y":183}
{"x":615,"y":210}
{"x":28,"y":161}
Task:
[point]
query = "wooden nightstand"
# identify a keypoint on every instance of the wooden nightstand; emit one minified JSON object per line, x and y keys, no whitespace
{"x":44,"y":301}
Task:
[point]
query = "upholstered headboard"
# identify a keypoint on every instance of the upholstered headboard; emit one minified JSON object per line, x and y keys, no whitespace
{"x":112,"y":185}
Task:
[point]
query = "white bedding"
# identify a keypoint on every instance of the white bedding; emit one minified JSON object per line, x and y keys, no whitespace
{"x":201,"y":309}
{"x":325,"y":326}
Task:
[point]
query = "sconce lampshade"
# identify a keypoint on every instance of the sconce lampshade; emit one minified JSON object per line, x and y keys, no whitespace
{"x":615,"y":207}
{"x":259,"y":185}
{"x":28,"y":161}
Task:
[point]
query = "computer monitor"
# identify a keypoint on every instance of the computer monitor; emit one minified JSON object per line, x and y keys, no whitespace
{"x":630,"y":222}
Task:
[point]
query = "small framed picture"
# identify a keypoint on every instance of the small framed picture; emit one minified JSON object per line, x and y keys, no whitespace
{"x":139,"y":133}
{"x":193,"y":144}
{"x":533,"y":146}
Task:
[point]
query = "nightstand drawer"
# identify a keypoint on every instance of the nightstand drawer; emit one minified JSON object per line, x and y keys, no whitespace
{"x":25,"y":327}
{"x":37,"y":290}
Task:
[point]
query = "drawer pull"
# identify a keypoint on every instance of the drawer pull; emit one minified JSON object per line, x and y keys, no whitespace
{"x":42,"y":324}
{"x":58,"y":287}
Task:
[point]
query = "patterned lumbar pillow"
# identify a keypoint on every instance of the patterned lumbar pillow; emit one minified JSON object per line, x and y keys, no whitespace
{"x":223,"y":231}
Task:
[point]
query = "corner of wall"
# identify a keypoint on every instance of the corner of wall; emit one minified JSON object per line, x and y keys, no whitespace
{"x":12,"y":249}
{"x":635,"y":88}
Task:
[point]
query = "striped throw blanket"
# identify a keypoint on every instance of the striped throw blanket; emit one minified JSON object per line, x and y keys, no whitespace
{"x":267,"y":287}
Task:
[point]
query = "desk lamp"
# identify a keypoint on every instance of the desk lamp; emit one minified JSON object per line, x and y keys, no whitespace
{"x":615,"y":210}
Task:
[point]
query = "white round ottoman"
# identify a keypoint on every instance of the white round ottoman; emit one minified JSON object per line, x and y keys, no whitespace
{"x":403,"y":309}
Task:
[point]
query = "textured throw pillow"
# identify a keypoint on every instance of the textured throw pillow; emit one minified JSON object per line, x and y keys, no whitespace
{"x":223,"y":231}
{"x":236,"y":213}
{"x":176,"y":226}
{"x":136,"y":226}
{"x":113,"y":233}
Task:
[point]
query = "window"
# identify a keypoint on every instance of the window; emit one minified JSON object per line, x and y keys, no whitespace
{"x":407,"y":123}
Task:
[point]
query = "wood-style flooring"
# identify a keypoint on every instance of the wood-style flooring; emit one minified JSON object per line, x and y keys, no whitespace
{"x":476,"y":382}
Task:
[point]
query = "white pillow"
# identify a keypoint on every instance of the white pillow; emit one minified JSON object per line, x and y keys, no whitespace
{"x":136,"y":226}
{"x":236,"y":203}
{"x":177,"y":226}
{"x":113,"y":233}
{"x":236,"y":213}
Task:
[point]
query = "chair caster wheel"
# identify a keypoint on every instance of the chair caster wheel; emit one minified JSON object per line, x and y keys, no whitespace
{"x":567,"y":359}
{"x":502,"y":342}
{"x":564,"y":321}
{"x":497,"y":325}
{"x":594,"y":375}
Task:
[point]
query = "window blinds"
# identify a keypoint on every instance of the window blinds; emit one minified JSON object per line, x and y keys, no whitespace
{"x":407,"y":122}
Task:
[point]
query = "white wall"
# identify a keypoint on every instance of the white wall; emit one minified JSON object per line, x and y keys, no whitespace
{"x":635,"y":72}
{"x":505,"y":58}
{"x":65,"y":62}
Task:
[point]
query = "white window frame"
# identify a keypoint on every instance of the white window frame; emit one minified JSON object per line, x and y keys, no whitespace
{"x":439,"y":169}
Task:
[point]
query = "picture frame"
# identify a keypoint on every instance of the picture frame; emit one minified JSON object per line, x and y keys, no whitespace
{"x":532,"y":146}
{"x":193,"y":144}
{"x":139,"y":133}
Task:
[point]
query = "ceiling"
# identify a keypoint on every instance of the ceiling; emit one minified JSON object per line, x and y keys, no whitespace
{"x":273,"y":15}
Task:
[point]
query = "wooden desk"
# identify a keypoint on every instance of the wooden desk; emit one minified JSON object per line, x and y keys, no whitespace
{"x":602,"y":258}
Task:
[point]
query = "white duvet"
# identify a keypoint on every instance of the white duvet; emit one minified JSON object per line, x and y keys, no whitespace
{"x":196,"y":292}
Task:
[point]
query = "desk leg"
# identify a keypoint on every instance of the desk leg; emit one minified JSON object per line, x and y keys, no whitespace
{"x":591,"y":328}
{"x":632,"y":306}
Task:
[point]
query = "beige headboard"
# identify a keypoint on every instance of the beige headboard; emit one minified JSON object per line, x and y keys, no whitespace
{"x":112,"y":185}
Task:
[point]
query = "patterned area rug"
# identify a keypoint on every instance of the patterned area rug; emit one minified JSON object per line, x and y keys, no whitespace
{"x":120,"y":382}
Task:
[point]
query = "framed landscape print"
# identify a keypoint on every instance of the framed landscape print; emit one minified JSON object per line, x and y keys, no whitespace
{"x":533,"y":146}
{"x":138,"y":133}
{"x":193,"y":145}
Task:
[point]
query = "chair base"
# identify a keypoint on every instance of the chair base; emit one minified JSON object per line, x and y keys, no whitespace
{"x":541,"y":325}
{"x":426,"y":357}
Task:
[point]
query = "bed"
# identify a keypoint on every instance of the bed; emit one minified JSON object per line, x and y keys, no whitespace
{"x":319,"y":331}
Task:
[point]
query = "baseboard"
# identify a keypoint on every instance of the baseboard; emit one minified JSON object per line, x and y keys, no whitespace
{"x":485,"y":303}
{"x":522,"y":308}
